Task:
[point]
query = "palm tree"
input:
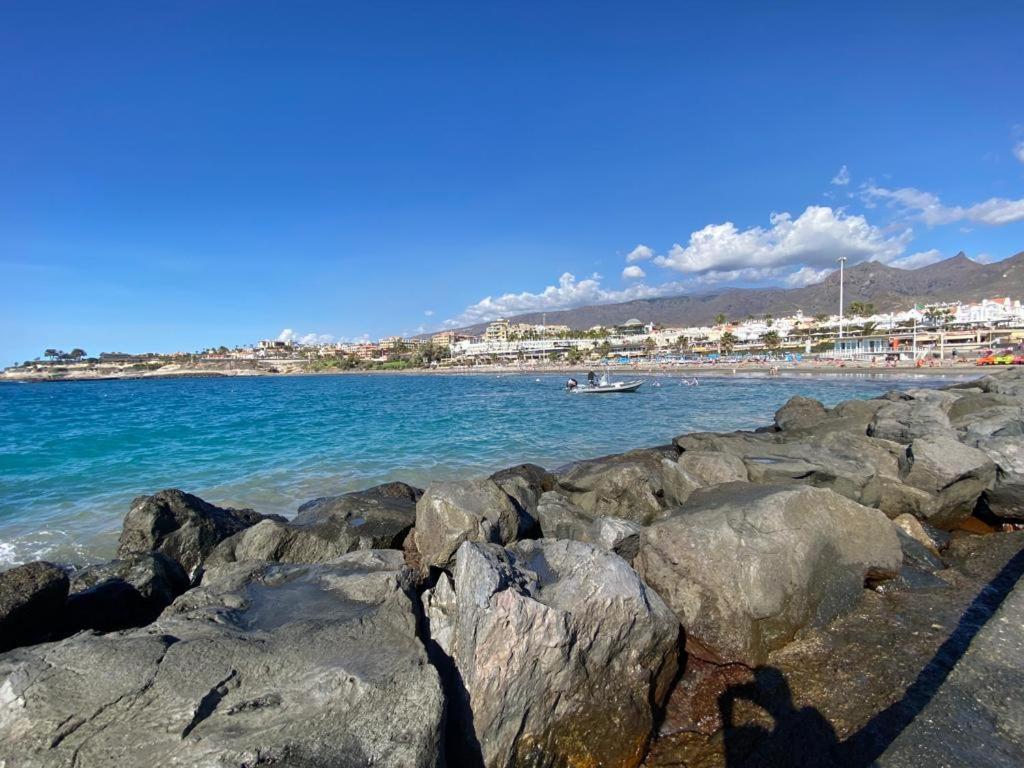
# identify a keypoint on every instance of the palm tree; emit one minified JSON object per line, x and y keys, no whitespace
{"x":868,"y":328}
{"x":649,"y":346}
{"x":727,"y":342}
{"x":771,"y":340}
{"x":719,"y":319}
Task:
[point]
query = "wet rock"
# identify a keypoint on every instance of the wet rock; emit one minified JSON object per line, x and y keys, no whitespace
{"x":261,"y":665}
{"x":124,"y":593}
{"x":713,"y":467}
{"x":800,"y":412}
{"x":636,"y":486}
{"x":561,"y":519}
{"x":917,"y":554}
{"x":31,"y":603}
{"x":956,"y":473}
{"x":181,"y":526}
{"x":326,"y":528}
{"x":906,"y":420}
{"x":560,"y":650}
{"x":525,"y":484}
{"x":469,"y":510}
{"x":913,"y":527}
{"x":783,"y":558}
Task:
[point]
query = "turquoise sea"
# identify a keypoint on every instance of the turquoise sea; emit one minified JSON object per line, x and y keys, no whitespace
{"x":74,"y":454}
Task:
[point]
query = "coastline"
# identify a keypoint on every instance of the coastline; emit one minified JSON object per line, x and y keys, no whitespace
{"x":699,"y":371}
{"x":864,"y":526}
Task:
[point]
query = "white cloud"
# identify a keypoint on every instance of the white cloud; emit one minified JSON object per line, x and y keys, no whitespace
{"x":569,"y":293}
{"x":842,"y":178}
{"x":428,"y":312}
{"x":806,"y":276}
{"x":633,"y":273}
{"x":816,"y":238}
{"x":1018,"y":151}
{"x":306,"y":338}
{"x":915,"y":260}
{"x":984,"y":258}
{"x":640,"y":253}
{"x":929,"y":208}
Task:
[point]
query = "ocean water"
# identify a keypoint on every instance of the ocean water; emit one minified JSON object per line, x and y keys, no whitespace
{"x":74,"y":454}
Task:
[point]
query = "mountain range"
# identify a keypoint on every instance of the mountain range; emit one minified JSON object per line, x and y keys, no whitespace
{"x":957,"y":278}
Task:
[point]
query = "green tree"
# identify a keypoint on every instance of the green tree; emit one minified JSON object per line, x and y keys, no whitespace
{"x":604,"y":349}
{"x":649,"y":346}
{"x":719,"y":319}
{"x":771,"y":340}
{"x":50,"y":354}
{"x":76,"y":353}
{"x":727,"y":342}
{"x":868,"y":328}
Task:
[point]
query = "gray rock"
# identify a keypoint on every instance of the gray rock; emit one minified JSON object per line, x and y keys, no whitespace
{"x":956,"y":473}
{"x":124,"y":593}
{"x":1006,"y":498}
{"x":31,"y":603}
{"x":561,"y":519}
{"x":326,"y":528}
{"x":561,"y":652}
{"x":906,"y":420}
{"x":798,"y":412}
{"x":181,"y":526}
{"x":525,"y":484}
{"x":636,"y":486}
{"x":261,"y":665}
{"x":713,"y":467}
{"x":746,"y":566}
{"x":469,"y":510}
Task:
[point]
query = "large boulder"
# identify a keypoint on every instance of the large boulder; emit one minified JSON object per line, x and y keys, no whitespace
{"x":903,"y":421}
{"x":1006,"y":498}
{"x":713,"y":467}
{"x":181,"y":526}
{"x":560,"y":652}
{"x":636,"y":486}
{"x":525,"y":484}
{"x":746,"y":566}
{"x":31,"y":603}
{"x":124,"y":593}
{"x":955,"y":473}
{"x":450,"y":513}
{"x":798,"y":412}
{"x":377,"y":518}
{"x":261,"y":665}
{"x":561,"y":519}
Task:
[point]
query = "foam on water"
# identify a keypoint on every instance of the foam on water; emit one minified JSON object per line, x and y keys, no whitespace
{"x":74,"y":454}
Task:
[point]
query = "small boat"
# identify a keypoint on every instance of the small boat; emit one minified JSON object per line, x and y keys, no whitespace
{"x":615,"y":386}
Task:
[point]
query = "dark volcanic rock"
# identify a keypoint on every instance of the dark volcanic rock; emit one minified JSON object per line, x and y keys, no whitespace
{"x":561,"y":519}
{"x":181,"y":526}
{"x":31,"y":603}
{"x":800,"y":412}
{"x":906,"y":420}
{"x":638,"y":485}
{"x":124,"y":593}
{"x":561,"y":650}
{"x":304,"y":666}
{"x":525,"y":484}
{"x":1006,"y":498}
{"x":956,"y":473}
{"x":468,"y":510}
{"x":377,"y":518}
{"x":745,"y":566}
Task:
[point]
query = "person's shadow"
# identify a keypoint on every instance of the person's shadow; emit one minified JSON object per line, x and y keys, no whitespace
{"x":799,"y":737}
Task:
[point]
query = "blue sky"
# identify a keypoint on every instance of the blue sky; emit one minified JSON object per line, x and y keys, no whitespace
{"x":178,"y":175}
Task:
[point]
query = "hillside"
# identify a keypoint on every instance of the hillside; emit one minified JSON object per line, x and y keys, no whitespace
{"x":888,"y":288}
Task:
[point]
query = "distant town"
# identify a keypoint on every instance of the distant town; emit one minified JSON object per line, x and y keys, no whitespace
{"x":942,"y":331}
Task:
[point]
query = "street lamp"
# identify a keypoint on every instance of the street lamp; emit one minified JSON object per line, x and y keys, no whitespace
{"x":842,"y":261}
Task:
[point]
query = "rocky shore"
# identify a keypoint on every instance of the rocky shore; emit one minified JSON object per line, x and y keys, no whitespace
{"x":837,"y":588}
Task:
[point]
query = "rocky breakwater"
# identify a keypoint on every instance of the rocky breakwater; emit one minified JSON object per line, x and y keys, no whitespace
{"x":530,"y":618}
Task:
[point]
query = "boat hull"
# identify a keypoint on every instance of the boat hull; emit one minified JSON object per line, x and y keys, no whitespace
{"x":619,"y":386}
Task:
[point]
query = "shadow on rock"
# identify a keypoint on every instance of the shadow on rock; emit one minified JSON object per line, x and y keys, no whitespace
{"x":763,"y":727}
